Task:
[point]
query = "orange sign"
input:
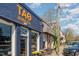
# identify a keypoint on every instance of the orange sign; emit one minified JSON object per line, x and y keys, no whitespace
{"x":24,"y":16}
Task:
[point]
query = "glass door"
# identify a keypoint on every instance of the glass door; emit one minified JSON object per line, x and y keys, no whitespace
{"x":34,"y":37}
{"x":23,"y":40}
{"x":5,"y":38}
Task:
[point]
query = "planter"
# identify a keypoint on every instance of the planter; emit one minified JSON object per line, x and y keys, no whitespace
{"x":36,"y":53}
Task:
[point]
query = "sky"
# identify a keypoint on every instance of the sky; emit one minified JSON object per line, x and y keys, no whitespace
{"x":70,"y":18}
{"x":41,"y":8}
{"x":69,"y":14}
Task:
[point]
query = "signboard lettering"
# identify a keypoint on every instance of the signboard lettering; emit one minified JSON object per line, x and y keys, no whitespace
{"x":24,"y":16}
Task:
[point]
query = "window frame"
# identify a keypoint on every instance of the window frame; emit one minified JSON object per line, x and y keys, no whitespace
{"x":37,"y":40}
{"x":13,"y":36}
{"x":27,"y":39}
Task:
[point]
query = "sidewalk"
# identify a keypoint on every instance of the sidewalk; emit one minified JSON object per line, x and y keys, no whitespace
{"x":54,"y":53}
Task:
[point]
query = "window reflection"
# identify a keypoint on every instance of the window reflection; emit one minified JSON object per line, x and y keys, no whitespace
{"x":23,"y":45}
{"x":5,"y":39}
{"x":34,"y":41}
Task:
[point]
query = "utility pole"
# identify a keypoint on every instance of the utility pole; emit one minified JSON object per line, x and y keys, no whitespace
{"x":58,"y":26}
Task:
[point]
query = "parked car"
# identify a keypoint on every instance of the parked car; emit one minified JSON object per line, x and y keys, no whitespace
{"x":72,"y":49}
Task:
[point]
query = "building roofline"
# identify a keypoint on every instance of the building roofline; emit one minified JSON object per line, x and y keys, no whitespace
{"x":33,"y":13}
{"x":23,"y":4}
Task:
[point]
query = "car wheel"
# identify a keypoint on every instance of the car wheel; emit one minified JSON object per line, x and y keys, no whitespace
{"x":77,"y":54}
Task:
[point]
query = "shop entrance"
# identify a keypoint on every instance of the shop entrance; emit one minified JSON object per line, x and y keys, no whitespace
{"x":6,"y":33}
{"x":35,"y":41}
{"x":23,"y":41}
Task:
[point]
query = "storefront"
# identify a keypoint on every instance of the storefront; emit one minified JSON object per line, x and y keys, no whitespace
{"x":20,"y":30}
{"x":47,"y":36}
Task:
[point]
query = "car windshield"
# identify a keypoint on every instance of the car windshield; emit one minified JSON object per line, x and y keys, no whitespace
{"x":73,"y":43}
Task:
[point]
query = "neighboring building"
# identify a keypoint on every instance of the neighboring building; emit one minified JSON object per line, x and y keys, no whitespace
{"x":47,"y":36}
{"x":20,"y":30}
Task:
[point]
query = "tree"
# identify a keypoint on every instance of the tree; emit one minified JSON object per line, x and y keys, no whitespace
{"x":56,"y":33}
{"x":50,"y":16}
{"x":69,"y":35}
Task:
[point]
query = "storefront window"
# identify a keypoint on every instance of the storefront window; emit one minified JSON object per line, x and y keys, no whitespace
{"x":34,"y":41}
{"x":23,"y":42}
{"x":5,"y":39}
